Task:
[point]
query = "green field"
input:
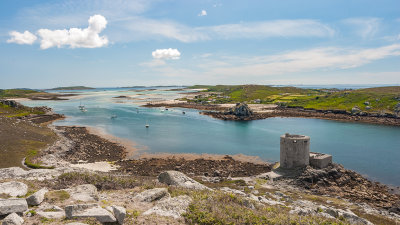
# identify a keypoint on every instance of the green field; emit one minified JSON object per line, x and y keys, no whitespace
{"x":381,"y":99}
{"x":16,"y":93}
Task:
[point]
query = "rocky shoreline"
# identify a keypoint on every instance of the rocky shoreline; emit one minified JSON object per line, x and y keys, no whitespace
{"x":218,"y":112}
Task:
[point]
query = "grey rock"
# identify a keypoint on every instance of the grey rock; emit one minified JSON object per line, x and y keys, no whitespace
{"x":37,"y":197}
{"x":89,"y":210}
{"x":51,"y":212}
{"x":241,"y":110}
{"x":84,"y":192}
{"x":173,"y":207}
{"x":233,"y":191}
{"x":13,"y":219}
{"x":36,"y":174}
{"x":181,"y":180}
{"x":13,"y":188}
{"x":119,"y":213}
{"x":152,"y":195}
{"x":51,"y":215}
{"x":347,"y":214}
{"x":355,"y":110}
{"x":8,"y":206}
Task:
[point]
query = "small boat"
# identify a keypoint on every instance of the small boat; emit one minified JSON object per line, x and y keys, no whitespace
{"x":162,"y":110}
{"x":166,"y":109}
{"x":113,"y":116}
{"x":147,"y":126}
{"x":183,"y":112}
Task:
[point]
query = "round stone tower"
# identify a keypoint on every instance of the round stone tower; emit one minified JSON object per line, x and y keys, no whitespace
{"x":295,"y":151}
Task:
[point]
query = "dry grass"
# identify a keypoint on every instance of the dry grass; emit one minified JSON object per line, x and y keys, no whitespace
{"x":221,"y":208}
{"x":101,"y":181}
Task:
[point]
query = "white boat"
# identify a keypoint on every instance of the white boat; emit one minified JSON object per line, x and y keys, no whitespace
{"x":162,"y":110}
{"x":147,"y":126}
{"x":82,"y":107}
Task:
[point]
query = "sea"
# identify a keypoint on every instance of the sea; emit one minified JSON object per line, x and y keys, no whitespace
{"x":371,"y":150}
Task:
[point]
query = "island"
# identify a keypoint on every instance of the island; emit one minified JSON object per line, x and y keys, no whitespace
{"x":71,"y":88}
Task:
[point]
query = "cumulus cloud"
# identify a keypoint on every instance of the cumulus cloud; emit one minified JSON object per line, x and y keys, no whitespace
{"x":76,"y":37}
{"x":203,"y":13}
{"x":166,"y":54}
{"x":26,"y":38}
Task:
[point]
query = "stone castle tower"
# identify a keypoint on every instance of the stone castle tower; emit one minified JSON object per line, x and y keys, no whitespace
{"x":295,"y":151}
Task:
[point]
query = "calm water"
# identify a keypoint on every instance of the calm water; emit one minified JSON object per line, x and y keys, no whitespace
{"x":372,"y":150}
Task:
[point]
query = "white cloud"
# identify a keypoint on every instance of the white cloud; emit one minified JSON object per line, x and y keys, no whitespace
{"x":166,"y":54}
{"x":203,"y":13}
{"x":144,"y":29}
{"x":76,"y":37}
{"x":322,"y":63}
{"x":274,"y":28}
{"x":364,"y":27}
{"x":26,"y":38}
{"x":305,"y":61}
{"x":155,"y":29}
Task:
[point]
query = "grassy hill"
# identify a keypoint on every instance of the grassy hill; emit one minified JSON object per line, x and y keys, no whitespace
{"x":16,"y":93}
{"x":379,"y":99}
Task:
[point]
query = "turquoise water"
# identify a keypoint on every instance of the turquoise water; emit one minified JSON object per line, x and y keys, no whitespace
{"x":372,"y":150}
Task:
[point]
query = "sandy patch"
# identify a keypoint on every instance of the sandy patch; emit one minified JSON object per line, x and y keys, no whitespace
{"x":96,"y":166}
{"x":132,"y":148}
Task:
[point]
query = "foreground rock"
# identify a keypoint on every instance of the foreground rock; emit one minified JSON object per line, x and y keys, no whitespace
{"x":119,"y":213}
{"x":51,"y":212}
{"x":173,"y":207}
{"x":89,"y":210}
{"x":84,"y":193}
{"x":37,"y":197}
{"x":13,"y":188}
{"x":181,"y":180}
{"x":36,"y":174}
{"x":13,"y":219}
{"x":305,"y":208}
{"x":8,"y":206}
{"x":152,"y":195}
{"x":335,"y":180}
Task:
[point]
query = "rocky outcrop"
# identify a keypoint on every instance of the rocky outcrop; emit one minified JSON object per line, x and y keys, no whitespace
{"x":13,"y":188}
{"x":173,"y":207}
{"x":305,"y":208}
{"x":36,"y":174}
{"x":13,"y":219}
{"x":89,"y":210}
{"x":181,"y":180}
{"x":241,"y":110}
{"x":37,"y":197}
{"x":335,"y":180}
{"x":10,"y":103}
{"x":8,"y":206}
{"x":84,"y":193}
{"x":152,"y":195}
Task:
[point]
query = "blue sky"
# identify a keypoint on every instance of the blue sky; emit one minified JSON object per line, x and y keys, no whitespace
{"x":108,"y":43}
